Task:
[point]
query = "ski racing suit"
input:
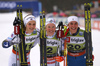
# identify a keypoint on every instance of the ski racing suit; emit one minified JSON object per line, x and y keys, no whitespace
{"x":30,"y":41}
{"x":76,"y":48}
{"x":52,"y":43}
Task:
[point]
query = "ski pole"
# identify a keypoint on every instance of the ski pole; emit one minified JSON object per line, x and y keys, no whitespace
{"x":60,"y":35}
{"x":16,"y":24}
{"x":16,"y":32}
{"x":60,"y":32}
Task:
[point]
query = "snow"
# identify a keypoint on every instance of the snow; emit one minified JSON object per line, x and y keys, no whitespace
{"x":6,"y":28}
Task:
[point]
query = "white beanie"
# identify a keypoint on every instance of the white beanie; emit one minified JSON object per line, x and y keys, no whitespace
{"x":29,"y":18}
{"x":72,"y":18}
{"x":50,"y":20}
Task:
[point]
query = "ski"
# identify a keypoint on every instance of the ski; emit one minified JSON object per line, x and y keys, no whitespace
{"x":21,"y":46}
{"x":43,"y":53}
{"x":16,"y":25}
{"x":41,"y":41}
{"x":89,"y":61}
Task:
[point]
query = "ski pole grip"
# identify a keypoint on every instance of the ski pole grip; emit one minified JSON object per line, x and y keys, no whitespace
{"x":60,"y":33}
{"x":16,"y":30}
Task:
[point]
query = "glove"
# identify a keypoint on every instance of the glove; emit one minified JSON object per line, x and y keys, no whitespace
{"x":59,"y":59}
{"x":6,"y":44}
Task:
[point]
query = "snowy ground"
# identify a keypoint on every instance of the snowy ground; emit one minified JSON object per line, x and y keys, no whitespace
{"x":6,"y":28}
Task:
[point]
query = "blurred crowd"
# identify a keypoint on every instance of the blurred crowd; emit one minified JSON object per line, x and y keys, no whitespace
{"x":95,"y":13}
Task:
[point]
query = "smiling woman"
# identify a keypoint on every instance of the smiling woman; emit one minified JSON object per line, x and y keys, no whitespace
{"x":75,"y":43}
{"x":52,"y":42}
{"x":73,"y":24}
{"x":30,"y":23}
{"x":30,"y":26}
{"x":50,"y":28}
{"x":31,"y":39}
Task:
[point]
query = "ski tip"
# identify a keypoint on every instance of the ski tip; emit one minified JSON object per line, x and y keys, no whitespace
{"x":20,"y":5}
{"x":84,"y":4}
{"x":43,"y":11}
{"x":17,"y":5}
{"x":87,"y":4}
{"x":40,"y":12}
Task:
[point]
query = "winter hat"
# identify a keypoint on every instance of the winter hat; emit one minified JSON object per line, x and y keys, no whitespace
{"x":72,"y":18}
{"x":29,"y":18}
{"x":50,"y":20}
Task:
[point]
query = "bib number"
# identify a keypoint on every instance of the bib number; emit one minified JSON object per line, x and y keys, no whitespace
{"x":49,"y":50}
{"x":76,"y":47}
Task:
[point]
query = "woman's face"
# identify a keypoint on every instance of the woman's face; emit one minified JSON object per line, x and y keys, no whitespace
{"x":50,"y":29}
{"x":73,"y":26}
{"x":30,"y":26}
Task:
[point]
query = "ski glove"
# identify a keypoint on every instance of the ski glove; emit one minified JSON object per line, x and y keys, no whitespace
{"x":6,"y":44}
{"x":59,"y":58}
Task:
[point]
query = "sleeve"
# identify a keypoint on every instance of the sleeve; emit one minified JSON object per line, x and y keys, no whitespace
{"x":8,"y":42}
{"x":11,"y":37}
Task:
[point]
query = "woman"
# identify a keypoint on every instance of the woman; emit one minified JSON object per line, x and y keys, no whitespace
{"x":31,"y":39}
{"x":75,"y":43}
{"x":52,"y":42}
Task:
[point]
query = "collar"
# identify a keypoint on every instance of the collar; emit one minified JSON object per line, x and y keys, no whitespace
{"x":28,"y":33}
{"x":50,"y":36}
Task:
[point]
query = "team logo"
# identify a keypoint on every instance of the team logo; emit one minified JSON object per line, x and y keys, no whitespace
{"x":73,"y":19}
{"x":75,"y":39}
{"x":52,"y":21}
{"x":34,"y":32}
{"x":30,"y":39}
{"x":31,"y":19}
{"x":51,"y":42}
{"x":81,"y":33}
{"x":12,"y":35}
{"x":68,"y":39}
